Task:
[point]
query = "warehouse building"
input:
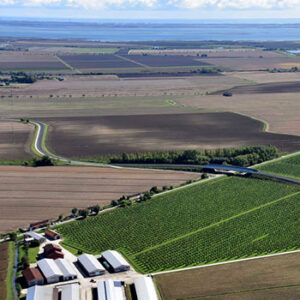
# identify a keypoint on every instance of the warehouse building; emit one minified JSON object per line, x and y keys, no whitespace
{"x":41,"y":293}
{"x":52,"y":235}
{"x":145,"y":289}
{"x":33,"y":276}
{"x":67,"y":269}
{"x":116,"y":261}
{"x":70,"y":292}
{"x":50,"y":270}
{"x":91,"y":265}
{"x":36,"y":236}
{"x":110,"y":290}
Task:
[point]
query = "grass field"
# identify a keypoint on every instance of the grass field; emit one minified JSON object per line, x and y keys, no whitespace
{"x":274,"y":277}
{"x":220,"y":220}
{"x":287,"y":167}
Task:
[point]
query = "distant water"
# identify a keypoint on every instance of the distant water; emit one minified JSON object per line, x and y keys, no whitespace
{"x":131,"y":31}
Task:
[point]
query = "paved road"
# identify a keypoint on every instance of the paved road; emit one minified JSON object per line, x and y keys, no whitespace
{"x":41,"y":129}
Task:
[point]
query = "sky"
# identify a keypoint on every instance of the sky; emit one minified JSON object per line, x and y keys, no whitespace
{"x":151,"y":9}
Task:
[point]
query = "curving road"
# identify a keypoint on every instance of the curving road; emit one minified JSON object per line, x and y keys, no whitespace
{"x":42,"y":150}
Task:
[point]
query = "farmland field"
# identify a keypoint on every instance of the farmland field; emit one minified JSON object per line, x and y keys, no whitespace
{"x":34,"y":194}
{"x":265,"y":278}
{"x":15,"y":141}
{"x":96,"y":136}
{"x":287,"y":167}
{"x":219,"y":220}
{"x":4,"y":257}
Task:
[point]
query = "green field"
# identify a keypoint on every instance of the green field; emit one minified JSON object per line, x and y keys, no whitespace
{"x":287,"y":167}
{"x":218,"y":220}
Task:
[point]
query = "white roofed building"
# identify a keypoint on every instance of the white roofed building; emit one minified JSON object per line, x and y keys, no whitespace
{"x":70,"y":292}
{"x":67,"y":269}
{"x":50,"y":270}
{"x":116,"y":261}
{"x":91,"y":265}
{"x":36,"y":236}
{"x":40,"y":292}
{"x":145,"y":289}
{"x":110,"y":290}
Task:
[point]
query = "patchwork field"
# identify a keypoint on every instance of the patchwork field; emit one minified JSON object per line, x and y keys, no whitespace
{"x":15,"y":141}
{"x":95,"y":136}
{"x":10,"y":61}
{"x":219,"y":220}
{"x":266,"y":278}
{"x":287,"y":167}
{"x":3,"y":269}
{"x":34,"y":194}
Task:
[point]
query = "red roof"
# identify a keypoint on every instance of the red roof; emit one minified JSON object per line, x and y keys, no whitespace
{"x":51,"y":233}
{"x":39,"y":223}
{"x":31,"y":274}
{"x":55,"y":255}
{"x":52,"y":248}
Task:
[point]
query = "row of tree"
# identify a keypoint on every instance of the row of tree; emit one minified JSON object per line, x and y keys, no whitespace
{"x":243,"y":157}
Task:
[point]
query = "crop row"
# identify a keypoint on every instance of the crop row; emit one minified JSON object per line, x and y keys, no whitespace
{"x":269,"y":229}
{"x":172,"y":215}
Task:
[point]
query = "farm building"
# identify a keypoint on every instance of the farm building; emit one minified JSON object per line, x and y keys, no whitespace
{"x":91,"y":265}
{"x":70,"y":292}
{"x":52,"y":235}
{"x":110,"y":290}
{"x":145,"y":289}
{"x":116,"y":261}
{"x":67,"y":269}
{"x":39,"y":224}
{"x":33,"y":277}
{"x":50,"y":270}
{"x":41,"y":292}
{"x":36,"y":236}
{"x":53,"y":251}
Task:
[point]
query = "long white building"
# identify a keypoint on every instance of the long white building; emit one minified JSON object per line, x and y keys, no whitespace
{"x":66,"y":268}
{"x":116,"y":261}
{"x":70,"y":292}
{"x":36,"y":236}
{"x":50,"y":270}
{"x":91,"y":265}
{"x":110,"y":290}
{"x":40,"y":292}
{"x":145,"y":289}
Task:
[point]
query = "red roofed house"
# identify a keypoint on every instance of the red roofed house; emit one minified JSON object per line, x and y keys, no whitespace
{"x":33,"y":276}
{"x":52,"y":235}
{"x":53,"y":251}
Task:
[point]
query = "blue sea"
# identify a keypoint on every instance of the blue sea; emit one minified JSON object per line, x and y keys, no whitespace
{"x":130,"y":30}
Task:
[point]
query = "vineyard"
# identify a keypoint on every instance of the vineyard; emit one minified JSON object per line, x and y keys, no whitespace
{"x":289,"y":167}
{"x":218,"y":220}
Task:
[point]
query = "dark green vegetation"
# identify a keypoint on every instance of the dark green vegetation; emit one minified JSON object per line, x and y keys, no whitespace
{"x":40,"y":162}
{"x":219,"y":220}
{"x":288,"y":167}
{"x":244,"y":157}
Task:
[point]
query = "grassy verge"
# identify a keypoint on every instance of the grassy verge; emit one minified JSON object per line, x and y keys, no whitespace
{"x":10,"y":272}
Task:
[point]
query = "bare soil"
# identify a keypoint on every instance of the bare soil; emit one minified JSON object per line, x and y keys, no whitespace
{"x":266,"y":278}
{"x":279,"y":110}
{"x":3,"y":268}
{"x":15,"y":140}
{"x":86,"y":137}
{"x":33,"y":194}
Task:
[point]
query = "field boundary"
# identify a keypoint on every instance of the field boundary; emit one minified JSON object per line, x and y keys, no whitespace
{"x":10,"y":272}
{"x":132,"y":61}
{"x":216,"y":224}
{"x":226,"y":262}
{"x":66,"y":64}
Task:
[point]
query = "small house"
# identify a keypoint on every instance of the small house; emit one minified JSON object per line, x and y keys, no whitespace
{"x":33,"y":277}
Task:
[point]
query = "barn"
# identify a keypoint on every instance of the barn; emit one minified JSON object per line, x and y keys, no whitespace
{"x":33,"y":277}
{"x":145,"y":289}
{"x":67,"y":269}
{"x":36,"y":236}
{"x":91,"y":265}
{"x":70,"y":292}
{"x":116,"y":261}
{"x":110,"y":290}
{"x":40,"y":292}
{"x":53,"y":251}
{"x":50,"y":270}
{"x":52,"y":235}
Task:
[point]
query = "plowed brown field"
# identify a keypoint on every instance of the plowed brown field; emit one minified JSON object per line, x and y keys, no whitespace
{"x":266,"y":278}
{"x":15,"y":139}
{"x":32,"y":194}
